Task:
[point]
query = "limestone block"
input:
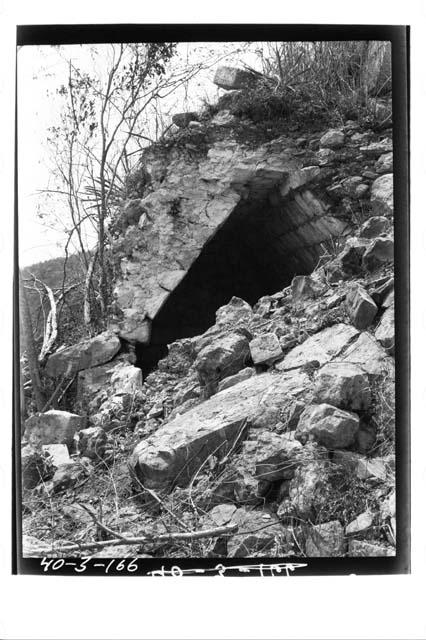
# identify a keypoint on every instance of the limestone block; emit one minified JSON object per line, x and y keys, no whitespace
{"x":380,"y":252}
{"x":53,"y":427}
{"x":343,"y":385}
{"x":327,"y":425}
{"x":361,"y":307}
{"x":233,"y":78}
{"x":85,"y":354}
{"x":374,"y":227}
{"x":265,"y":349}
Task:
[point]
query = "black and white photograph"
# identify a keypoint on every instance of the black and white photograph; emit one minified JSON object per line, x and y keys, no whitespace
{"x":208,"y":281}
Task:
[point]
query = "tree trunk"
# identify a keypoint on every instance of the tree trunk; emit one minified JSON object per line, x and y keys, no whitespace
{"x":27,"y":342}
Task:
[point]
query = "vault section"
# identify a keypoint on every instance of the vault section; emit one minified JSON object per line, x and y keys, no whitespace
{"x":258,"y":250}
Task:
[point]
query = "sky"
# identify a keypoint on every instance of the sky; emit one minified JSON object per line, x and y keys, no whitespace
{"x":41,"y":69}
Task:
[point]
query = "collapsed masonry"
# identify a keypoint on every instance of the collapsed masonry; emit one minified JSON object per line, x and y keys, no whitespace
{"x":275,"y":378}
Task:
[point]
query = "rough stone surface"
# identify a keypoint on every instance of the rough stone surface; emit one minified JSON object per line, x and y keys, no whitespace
{"x":328,"y":425}
{"x":177,"y":449}
{"x":385,"y":163}
{"x":278,"y":458}
{"x":333,"y":139}
{"x":325,"y":540}
{"x":302,"y":287}
{"x":368,"y":354}
{"x":321,"y":347}
{"x":361,"y":307}
{"x":236,"y":312}
{"x":265,"y":349}
{"x":92,"y":442}
{"x":242,"y":375}
{"x":233,"y":78}
{"x":343,"y":385}
{"x":361,"y":524}
{"x":66,"y":475}
{"x":374,"y":226}
{"x":83,"y":355}
{"x":376,"y":149}
{"x":380,"y":252}
{"x":385,"y":332}
{"x":221,"y":359}
{"x":364,"y":468}
{"x":351,"y":256}
{"x":361,"y":548}
{"x":53,"y":427}
{"x":382,"y":195}
{"x":265,"y":535}
{"x":306,"y":488}
{"x":57,"y":454}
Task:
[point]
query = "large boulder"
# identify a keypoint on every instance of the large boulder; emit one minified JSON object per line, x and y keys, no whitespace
{"x":321,"y":347}
{"x":382,"y":195}
{"x":233,"y":78}
{"x":53,"y":427}
{"x":385,"y":163}
{"x":368,"y":354}
{"x":223,"y":357}
{"x":329,"y":426}
{"x":351,"y":256}
{"x":343,"y":385}
{"x":177,"y":449}
{"x":84,"y":355}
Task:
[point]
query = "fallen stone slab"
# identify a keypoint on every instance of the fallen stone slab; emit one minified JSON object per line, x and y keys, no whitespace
{"x":233,"y":78}
{"x":343,"y":385}
{"x":221,"y":358}
{"x":325,"y":540}
{"x":367,"y":352}
{"x":67,"y":475}
{"x":361,"y":307}
{"x":178,"y":448}
{"x":321,"y":347}
{"x":53,"y":427}
{"x":230,"y":381}
{"x":84,"y":355}
{"x":265,"y":349}
{"x":327,"y":425}
{"x":364,"y":468}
